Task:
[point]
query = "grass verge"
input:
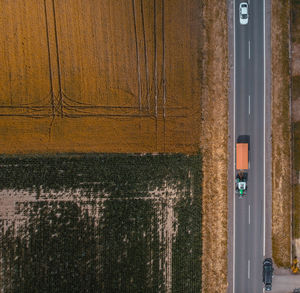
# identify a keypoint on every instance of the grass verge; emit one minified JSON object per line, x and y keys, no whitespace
{"x":214,"y":147}
{"x":281,"y":134}
{"x":295,"y":29}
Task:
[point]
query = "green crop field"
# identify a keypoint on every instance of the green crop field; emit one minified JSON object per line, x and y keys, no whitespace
{"x":100,"y":223}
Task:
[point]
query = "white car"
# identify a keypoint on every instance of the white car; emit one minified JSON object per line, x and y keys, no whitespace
{"x":244,"y":14}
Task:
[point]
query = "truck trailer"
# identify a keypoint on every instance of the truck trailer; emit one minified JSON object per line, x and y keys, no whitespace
{"x":241,"y":167}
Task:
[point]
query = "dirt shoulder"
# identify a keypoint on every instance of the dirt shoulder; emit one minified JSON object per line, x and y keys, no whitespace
{"x":281,"y":134}
{"x":214,"y":146}
{"x":295,"y":66}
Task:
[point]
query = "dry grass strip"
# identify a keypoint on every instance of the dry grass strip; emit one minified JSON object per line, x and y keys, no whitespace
{"x":214,"y":147}
{"x":281,"y":134}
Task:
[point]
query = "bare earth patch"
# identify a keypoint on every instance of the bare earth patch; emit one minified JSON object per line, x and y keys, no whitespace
{"x":296,"y":59}
{"x":296,"y":110}
{"x":297,"y":246}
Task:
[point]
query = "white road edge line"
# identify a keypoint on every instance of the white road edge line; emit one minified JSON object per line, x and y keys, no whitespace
{"x":248,"y":268}
{"x":249,"y":104}
{"x":233,"y":242}
{"x":264,"y":147}
{"x":249,"y":216}
{"x":249,"y":49}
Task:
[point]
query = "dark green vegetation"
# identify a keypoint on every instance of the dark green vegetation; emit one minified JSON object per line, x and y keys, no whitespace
{"x":296,"y":150}
{"x":295,"y":22}
{"x":102,"y":223}
{"x":296,"y":87}
{"x":296,"y":185}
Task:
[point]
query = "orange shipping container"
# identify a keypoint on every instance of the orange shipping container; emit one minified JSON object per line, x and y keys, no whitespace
{"x":241,"y":156}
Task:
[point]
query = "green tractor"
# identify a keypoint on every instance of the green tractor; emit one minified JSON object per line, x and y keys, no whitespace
{"x":241,"y":184}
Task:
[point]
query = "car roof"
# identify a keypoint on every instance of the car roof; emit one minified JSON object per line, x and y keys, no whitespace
{"x":268,"y":261}
{"x":268,"y":268}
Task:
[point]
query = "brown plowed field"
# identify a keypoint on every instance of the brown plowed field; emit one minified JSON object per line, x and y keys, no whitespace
{"x":100,"y":76}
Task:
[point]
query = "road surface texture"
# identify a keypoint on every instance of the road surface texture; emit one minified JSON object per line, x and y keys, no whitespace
{"x":248,"y":227}
{"x":284,"y":281}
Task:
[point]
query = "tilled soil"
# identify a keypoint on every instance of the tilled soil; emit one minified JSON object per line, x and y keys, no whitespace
{"x":100,"y":76}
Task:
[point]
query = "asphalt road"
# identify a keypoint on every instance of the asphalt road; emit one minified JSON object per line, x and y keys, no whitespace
{"x":249,"y":224}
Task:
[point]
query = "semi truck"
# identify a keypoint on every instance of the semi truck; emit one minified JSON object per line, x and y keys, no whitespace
{"x":241,"y":168}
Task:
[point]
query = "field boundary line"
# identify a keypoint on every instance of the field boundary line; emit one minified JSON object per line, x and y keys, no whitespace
{"x":137,"y":55}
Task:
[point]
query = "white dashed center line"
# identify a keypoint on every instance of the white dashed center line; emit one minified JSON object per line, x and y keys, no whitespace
{"x":249,"y":215}
{"x":249,"y":55}
{"x":248,"y":268}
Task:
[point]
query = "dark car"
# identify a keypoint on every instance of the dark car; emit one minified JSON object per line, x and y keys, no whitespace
{"x":268,"y":273}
